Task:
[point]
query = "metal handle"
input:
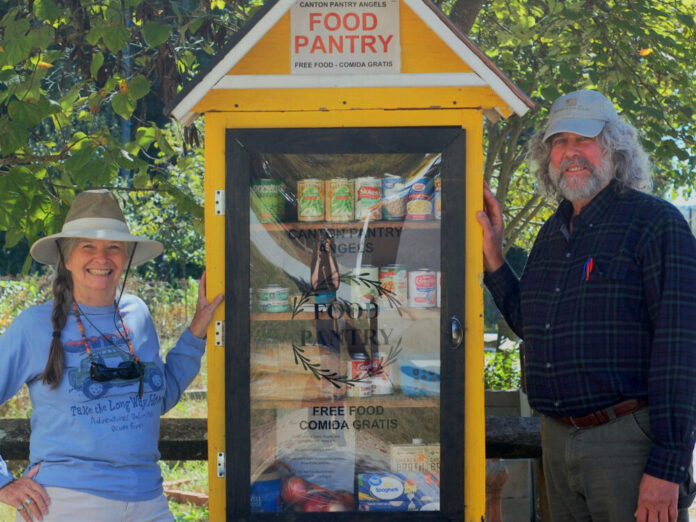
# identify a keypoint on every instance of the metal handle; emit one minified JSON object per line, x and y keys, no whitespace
{"x":457,"y":334}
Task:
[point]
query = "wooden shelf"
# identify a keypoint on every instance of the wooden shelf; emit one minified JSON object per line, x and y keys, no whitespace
{"x":388,"y":401}
{"x":430,"y":224}
{"x":407,"y":314}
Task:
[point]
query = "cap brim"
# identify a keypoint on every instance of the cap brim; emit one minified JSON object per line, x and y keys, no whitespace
{"x":583,"y":127}
{"x":45,"y":250}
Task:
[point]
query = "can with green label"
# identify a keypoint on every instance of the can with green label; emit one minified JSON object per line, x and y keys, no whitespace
{"x":310,"y":199}
{"x":268,"y":202}
{"x":273,"y":298}
{"x":339,"y":200}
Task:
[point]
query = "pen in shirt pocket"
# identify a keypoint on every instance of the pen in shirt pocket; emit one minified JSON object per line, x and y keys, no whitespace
{"x":587,"y":269}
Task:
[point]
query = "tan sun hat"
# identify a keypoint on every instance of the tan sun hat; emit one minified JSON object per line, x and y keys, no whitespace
{"x":583,"y":112}
{"x":95,"y":214}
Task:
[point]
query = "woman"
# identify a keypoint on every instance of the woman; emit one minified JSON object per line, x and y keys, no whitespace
{"x":98,"y":386}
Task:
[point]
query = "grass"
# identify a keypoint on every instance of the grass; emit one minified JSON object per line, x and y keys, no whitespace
{"x":172,"y":308}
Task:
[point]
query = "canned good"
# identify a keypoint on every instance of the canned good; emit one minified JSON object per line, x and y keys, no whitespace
{"x":265,"y":493}
{"x":419,"y":205}
{"x":310,"y":199}
{"x":394,"y":278}
{"x":394,"y":197}
{"x":368,"y":193}
{"x":273,"y":299}
{"x":437,"y":197}
{"x":269,"y":204}
{"x":363,"y":286}
{"x":340,"y":205}
{"x":422,"y":288}
{"x":381,"y":376}
{"x":359,"y":371}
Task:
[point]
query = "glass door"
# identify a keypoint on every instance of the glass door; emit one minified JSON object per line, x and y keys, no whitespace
{"x":342,"y":360}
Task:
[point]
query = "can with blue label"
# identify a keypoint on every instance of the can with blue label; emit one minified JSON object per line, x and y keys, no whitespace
{"x":265,"y":493}
{"x":393,"y":197}
{"x":419,"y":205}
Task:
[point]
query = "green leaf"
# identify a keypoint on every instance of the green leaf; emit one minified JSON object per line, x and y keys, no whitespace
{"x":138,"y":87}
{"x":12,"y":138}
{"x":79,"y":158}
{"x":41,"y":37}
{"x":12,"y":237}
{"x":47,"y":10}
{"x":141,"y":179}
{"x":16,"y":28}
{"x":115,"y":37}
{"x":17,"y":50}
{"x":122,"y":105}
{"x":97,"y":62}
{"x":94,"y":35}
{"x":24,"y":113}
{"x":156,"y":34}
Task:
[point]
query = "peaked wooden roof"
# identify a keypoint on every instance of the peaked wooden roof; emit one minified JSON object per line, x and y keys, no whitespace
{"x":214,"y":75}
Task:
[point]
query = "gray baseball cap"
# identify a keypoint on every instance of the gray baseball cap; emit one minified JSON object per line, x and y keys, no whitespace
{"x":581,"y":112}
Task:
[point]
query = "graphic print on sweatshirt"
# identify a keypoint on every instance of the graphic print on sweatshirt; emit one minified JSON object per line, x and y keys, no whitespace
{"x":111,"y":355}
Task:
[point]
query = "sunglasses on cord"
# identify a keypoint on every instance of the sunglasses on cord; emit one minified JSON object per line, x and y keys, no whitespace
{"x":127,"y":370}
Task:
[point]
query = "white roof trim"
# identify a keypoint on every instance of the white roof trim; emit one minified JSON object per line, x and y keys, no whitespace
{"x":207,"y":83}
{"x":217,"y":78}
{"x":469,"y":57}
{"x":287,"y":81}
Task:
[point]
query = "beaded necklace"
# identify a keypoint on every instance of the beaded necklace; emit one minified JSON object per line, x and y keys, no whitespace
{"x":84,"y":337}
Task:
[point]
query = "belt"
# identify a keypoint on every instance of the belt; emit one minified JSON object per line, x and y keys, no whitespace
{"x":603,"y":416}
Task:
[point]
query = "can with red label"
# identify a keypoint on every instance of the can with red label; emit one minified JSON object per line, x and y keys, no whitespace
{"x":419,"y":205}
{"x":359,"y":372}
{"x":381,"y":376}
{"x":368,"y":196}
{"x":394,"y":282}
{"x":422,"y":288}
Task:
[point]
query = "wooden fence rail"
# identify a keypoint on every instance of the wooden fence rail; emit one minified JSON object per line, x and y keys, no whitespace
{"x":186,"y":439}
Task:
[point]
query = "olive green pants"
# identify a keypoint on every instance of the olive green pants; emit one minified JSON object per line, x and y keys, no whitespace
{"x":593,"y":474}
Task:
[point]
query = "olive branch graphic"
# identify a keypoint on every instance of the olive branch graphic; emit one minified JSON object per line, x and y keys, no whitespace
{"x":298,"y":303}
{"x":337,"y":380}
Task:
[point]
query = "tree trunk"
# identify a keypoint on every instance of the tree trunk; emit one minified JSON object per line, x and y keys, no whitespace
{"x":464,"y":13}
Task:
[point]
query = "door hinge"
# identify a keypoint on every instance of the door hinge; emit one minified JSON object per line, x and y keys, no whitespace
{"x":219,"y":333}
{"x":221,"y":464}
{"x":219,"y":202}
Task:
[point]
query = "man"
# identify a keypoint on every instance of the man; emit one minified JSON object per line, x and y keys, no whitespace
{"x":607,"y":309}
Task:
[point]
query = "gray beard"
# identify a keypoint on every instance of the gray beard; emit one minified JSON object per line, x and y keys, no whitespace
{"x":598,"y":179}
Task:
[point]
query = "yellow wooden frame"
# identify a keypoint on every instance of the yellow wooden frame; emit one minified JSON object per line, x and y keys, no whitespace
{"x":470,"y":119}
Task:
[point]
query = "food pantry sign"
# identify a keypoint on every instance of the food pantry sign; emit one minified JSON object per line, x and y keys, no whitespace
{"x":345,"y":37}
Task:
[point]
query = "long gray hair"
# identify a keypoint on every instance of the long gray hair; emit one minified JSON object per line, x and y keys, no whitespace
{"x":618,"y":138}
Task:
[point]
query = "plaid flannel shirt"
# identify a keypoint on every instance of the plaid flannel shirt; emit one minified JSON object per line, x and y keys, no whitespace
{"x":609,"y":314}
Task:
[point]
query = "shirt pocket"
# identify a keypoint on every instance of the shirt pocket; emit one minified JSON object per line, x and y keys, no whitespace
{"x":613,"y":292}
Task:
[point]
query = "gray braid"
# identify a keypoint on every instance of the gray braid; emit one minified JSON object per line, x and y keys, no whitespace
{"x":62,"y":300}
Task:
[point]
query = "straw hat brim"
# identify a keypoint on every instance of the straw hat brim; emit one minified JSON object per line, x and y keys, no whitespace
{"x":45,"y":250}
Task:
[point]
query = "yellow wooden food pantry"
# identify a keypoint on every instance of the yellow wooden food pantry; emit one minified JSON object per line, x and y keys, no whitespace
{"x":343,"y":173}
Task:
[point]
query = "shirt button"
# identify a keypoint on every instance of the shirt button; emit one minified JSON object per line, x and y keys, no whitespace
{"x":548,"y":365}
{"x":557,"y":289}
{"x":547,"y":325}
{"x":567,"y":254}
{"x":682,"y":468}
{"x":557,"y":404}
{"x":590,"y":225}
